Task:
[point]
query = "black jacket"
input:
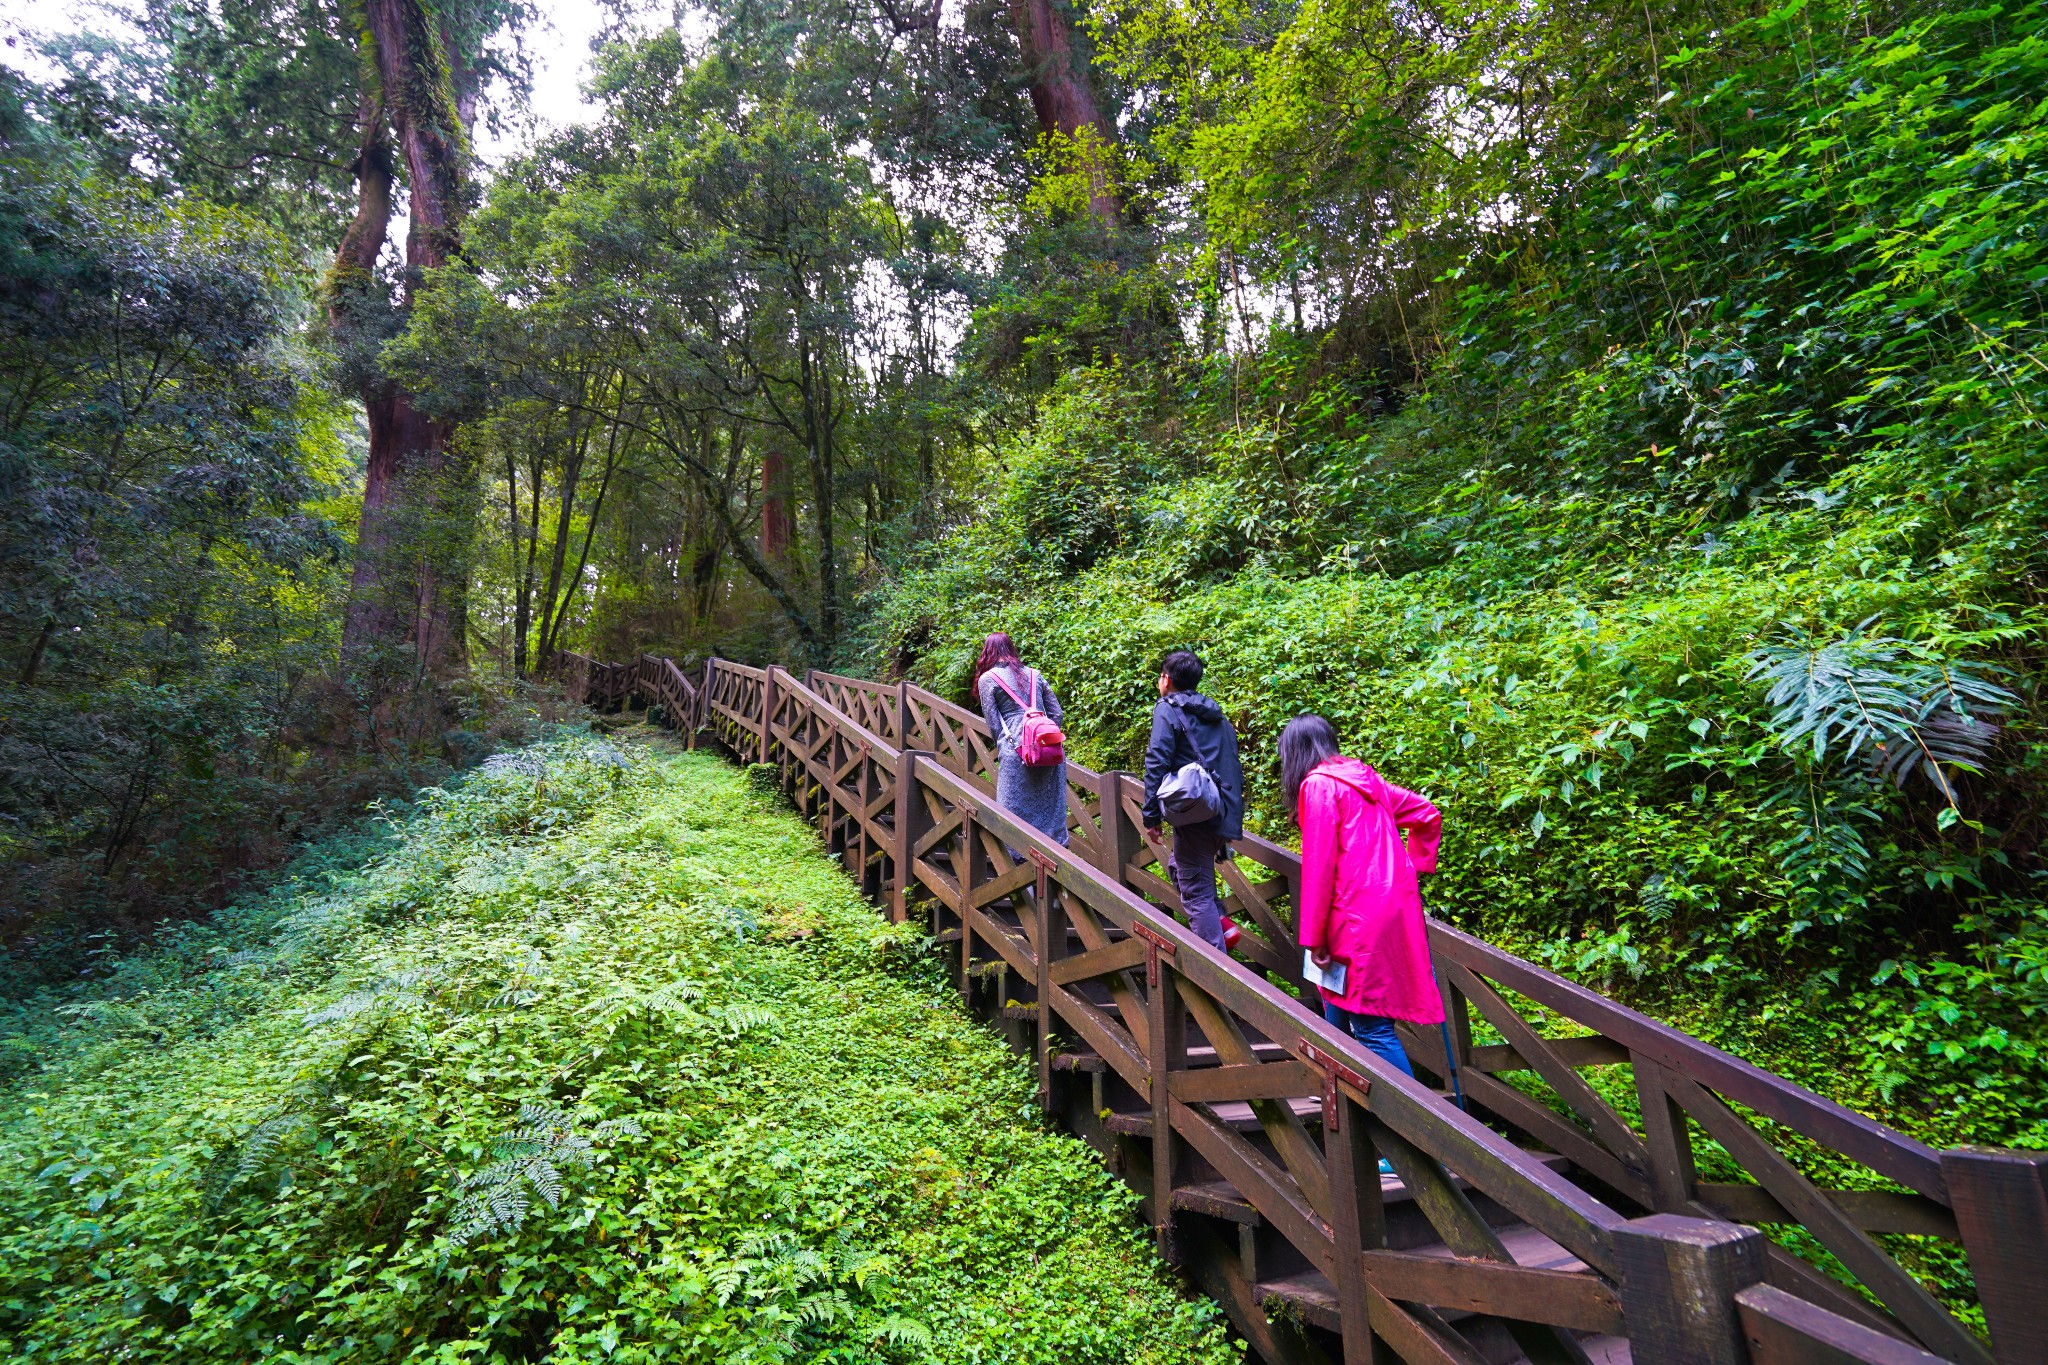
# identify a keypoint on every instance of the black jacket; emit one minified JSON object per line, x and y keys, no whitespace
{"x":1188,"y":727}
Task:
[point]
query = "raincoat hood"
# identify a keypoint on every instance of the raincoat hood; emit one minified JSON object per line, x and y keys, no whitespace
{"x":1356,"y":775}
{"x":1197,"y":705}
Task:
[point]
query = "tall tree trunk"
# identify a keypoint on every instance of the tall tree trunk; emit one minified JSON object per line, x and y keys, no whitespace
{"x":411,"y":572}
{"x":1063,"y":94}
{"x":775,"y":520}
{"x":819,"y":422}
{"x":522,"y":574}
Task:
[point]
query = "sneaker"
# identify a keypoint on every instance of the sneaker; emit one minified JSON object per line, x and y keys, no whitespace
{"x":1387,"y":1170}
{"x":1231,"y":934}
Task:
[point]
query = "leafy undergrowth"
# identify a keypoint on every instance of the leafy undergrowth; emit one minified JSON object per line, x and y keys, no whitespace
{"x":596,"y":1057}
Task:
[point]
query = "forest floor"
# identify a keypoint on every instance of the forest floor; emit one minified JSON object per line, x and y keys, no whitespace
{"x":594,"y":1055}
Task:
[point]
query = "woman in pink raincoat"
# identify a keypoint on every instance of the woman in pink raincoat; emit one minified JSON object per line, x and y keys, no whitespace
{"x":1360,"y":904}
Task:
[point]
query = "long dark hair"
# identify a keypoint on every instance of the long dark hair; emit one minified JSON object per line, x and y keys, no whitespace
{"x":1306,"y":742}
{"x":997,"y":651}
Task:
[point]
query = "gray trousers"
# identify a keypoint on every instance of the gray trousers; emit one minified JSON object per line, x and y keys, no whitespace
{"x":1193,"y":865}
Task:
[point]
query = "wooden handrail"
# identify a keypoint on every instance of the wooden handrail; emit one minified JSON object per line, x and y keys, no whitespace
{"x":900,"y":781}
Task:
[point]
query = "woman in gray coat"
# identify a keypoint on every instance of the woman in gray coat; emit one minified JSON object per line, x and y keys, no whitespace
{"x":1038,"y":796}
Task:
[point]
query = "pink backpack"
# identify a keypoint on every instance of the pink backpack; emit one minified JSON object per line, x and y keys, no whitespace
{"x":1039,"y":742}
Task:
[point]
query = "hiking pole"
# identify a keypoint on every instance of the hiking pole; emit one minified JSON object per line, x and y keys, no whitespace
{"x":1451,"y":1059}
{"x":1444,"y":1029}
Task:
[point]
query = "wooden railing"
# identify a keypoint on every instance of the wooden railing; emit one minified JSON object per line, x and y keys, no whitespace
{"x":1572,"y":1211}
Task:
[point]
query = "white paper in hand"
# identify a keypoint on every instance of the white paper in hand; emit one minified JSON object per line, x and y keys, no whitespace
{"x":1330,"y":978}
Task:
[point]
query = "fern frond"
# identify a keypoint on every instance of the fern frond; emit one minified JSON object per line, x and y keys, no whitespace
{"x":546,"y":1181}
{"x":739,"y":1019}
{"x":489,"y":1210}
{"x":529,"y":1162}
{"x":671,"y":1000}
{"x":826,"y":1308}
{"x":253,"y":1155}
{"x":398,"y":993}
{"x":899,"y":1331}
{"x":1870,"y":697}
{"x":545,"y":1116}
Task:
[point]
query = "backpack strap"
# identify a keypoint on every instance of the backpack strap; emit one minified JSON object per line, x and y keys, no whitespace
{"x":1001,"y":682}
{"x":1181,"y":722}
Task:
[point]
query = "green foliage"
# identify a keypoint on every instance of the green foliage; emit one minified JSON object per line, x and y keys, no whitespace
{"x":593,"y":1056}
{"x":168,"y":578}
{"x":1892,"y":717}
{"x":1596,"y":588}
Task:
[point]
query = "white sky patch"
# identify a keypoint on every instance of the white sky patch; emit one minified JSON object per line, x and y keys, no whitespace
{"x":558,"y":47}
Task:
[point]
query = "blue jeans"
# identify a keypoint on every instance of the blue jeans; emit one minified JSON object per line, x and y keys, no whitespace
{"x":1376,"y":1031}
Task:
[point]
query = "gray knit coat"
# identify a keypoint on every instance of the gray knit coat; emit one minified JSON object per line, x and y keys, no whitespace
{"x":1038,"y":796}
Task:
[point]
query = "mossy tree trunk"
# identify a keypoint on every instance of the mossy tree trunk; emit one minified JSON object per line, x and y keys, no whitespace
{"x":407,"y":603}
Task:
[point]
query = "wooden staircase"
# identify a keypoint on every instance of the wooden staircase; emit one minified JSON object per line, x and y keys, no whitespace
{"x":1556,"y":1218}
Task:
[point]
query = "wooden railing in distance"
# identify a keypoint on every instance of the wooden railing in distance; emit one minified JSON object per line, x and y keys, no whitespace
{"x":1566,"y":1219}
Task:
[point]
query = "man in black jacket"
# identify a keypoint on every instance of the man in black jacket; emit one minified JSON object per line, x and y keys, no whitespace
{"x":1188,"y":727}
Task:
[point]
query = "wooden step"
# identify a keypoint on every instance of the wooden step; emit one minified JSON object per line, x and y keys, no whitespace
{"x":1237,"y":1114}
{"x":1525,"y":1246}
{"x":1220,"y":1199}
{"x":1314,"y":1299}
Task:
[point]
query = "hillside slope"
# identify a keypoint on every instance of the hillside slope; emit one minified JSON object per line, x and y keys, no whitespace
{"x":596,"y":1057}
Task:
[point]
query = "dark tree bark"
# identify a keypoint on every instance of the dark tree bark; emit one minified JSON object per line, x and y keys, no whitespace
{"x":1063,"y":95}
{"x":775,"y":520}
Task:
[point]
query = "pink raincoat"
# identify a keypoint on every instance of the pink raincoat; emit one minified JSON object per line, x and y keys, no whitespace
{"x":1359,"y":898}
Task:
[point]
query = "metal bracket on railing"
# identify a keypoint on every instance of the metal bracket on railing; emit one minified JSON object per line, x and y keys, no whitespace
{"x":1333,"y":1072}
{"x":1155,"y":944}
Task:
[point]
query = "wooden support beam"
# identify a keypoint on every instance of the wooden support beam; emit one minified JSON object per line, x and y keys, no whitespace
{"x":1119,"y":956}
{"x":1166,"y":1029}
{"x":1679,"y":1278}
{"x":1357,"y":1220}
{"x":2001,"y":1206}
{"x":1784,"y":1329}
{"x":1262,"y":1081}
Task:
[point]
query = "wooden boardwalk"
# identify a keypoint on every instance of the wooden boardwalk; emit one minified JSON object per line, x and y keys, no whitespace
{"x":1541,"y":1223}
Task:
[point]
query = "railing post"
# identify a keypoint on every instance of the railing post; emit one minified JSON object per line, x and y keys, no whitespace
{"x":767,"y":708}
{"x":910,"y":827}
{"x":2000,"y":1198}
{"x":1667,"y":1138}
{"x":1679,"y":1278}
{"x":1357,"y":1220}
{"x":706,"y":717}
{"x":1119,"y":840}
{"x":969,"y":877}
{"x":1052,"y":946}
{"x":902,"y":735}
{"x":1166,"y":1032}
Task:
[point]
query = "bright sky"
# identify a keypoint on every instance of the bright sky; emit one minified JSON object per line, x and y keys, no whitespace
{"x":559,"y":48}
